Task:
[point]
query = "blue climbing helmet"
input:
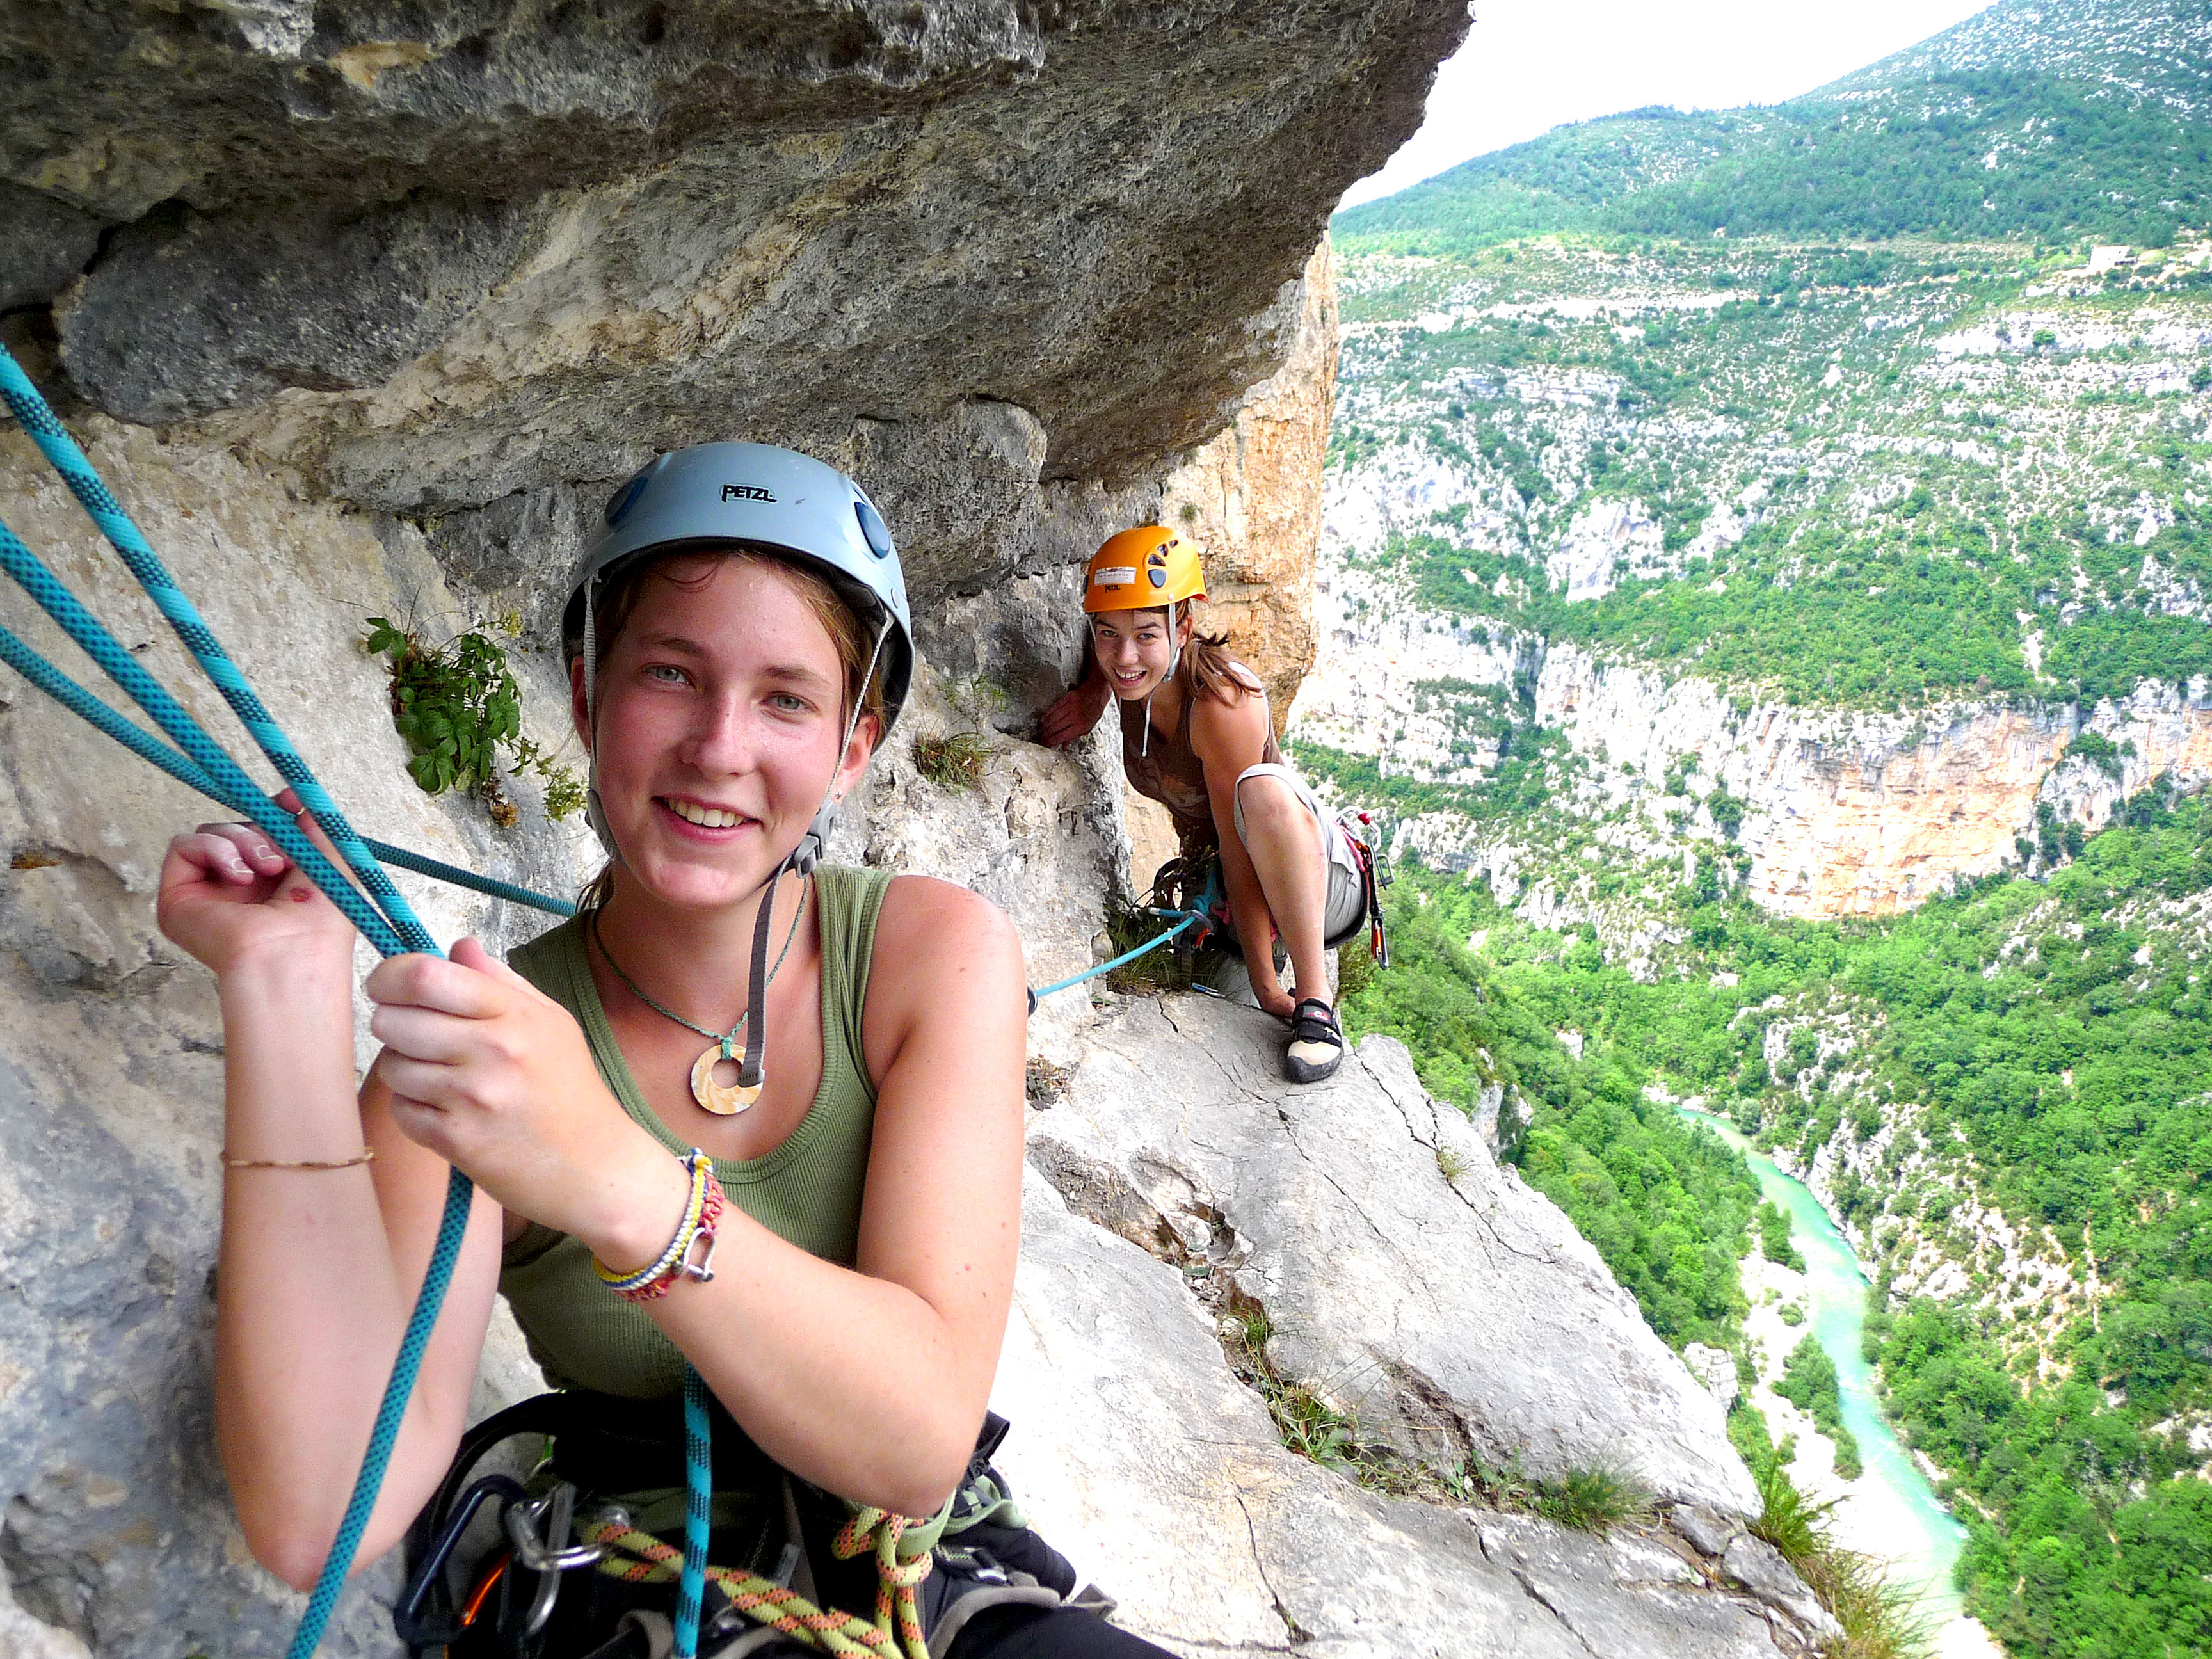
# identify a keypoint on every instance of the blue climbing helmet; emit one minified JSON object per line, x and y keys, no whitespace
{"x":773,"y":501}
{"x":777,"y":500}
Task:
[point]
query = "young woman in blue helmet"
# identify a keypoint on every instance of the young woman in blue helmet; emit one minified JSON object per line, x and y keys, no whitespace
{"x":837,"y":1265}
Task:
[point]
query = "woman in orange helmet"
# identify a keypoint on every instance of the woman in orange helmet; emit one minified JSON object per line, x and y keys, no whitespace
{"x":1197,"y":738}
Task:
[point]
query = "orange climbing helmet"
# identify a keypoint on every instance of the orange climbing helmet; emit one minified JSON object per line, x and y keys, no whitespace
{"x":1140,"y":568}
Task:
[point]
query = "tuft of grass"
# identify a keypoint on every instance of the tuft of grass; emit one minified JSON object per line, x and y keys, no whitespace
{"x":1166,"y":969}
{"x":1304,"y":1422}
{"x":1449,"y":1163}
{"x":1594,"y":1500}
{"x":1882,"y":1619}
{"x":952,"y":762}
{"x":1044,"y":1082}
{"x":1313,"y":1428}
{"x":1788,"y":1519}
{"x":1590,"y":1500}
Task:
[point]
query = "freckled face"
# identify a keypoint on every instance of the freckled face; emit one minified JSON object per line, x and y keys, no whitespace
{"x":1133,"y":649}
{"x":720,"y":709}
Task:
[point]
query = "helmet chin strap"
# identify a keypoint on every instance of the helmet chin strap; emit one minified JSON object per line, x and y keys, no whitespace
{"x":1175,"y":658}
{"x":801,"y":861}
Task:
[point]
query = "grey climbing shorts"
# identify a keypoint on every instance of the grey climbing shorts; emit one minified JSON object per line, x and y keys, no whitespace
{"x":1345,"y":906}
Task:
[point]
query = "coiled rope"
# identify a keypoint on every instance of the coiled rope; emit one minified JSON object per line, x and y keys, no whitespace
{"x":895,"y":1633}
{"x":388,"y":922}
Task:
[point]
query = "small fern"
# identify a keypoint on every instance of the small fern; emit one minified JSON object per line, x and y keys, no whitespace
{"x":457,"y":707}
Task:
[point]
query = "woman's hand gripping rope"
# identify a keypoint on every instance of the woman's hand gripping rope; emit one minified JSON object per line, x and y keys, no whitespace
{"x":495,"y":1078}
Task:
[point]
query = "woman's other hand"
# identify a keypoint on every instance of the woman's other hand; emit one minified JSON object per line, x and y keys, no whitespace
{"x":227,"y":893}
{"x":1075,"y":713}
{"x":496,"y":1078}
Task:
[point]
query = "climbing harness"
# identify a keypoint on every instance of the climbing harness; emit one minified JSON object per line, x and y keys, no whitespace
{"x":791,"y":1547}
{"x":380,"y":913}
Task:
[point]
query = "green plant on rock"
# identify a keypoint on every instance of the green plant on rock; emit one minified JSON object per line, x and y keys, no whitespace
{"x":952,"y":762}
{"x":458,"y":706}
{"x":1594,"y":1499}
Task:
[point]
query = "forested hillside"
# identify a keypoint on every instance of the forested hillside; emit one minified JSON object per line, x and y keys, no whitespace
{"x":2048,"y":121}
{"x":1649,"y":548}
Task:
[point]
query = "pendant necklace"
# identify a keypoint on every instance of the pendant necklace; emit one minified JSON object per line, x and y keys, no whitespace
{"x":723,"y":1100}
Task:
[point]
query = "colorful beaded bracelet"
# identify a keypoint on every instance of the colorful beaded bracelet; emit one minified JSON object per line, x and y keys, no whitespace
{"x":703,"y":1210}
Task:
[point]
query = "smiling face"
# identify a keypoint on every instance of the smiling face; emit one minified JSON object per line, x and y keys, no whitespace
{"x":1133,"y":649}
{"x":721,"y":705}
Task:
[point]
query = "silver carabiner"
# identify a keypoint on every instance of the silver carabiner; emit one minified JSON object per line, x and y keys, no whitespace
{"x":548,"y":1554}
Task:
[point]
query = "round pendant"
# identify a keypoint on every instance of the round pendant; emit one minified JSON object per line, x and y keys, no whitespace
{"x":722,"y":1099}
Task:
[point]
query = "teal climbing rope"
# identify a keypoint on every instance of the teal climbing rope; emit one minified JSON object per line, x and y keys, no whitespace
{"x":61,"y":450}
{"x":42,"y":674}
{"x":393,"y":929}
{"x":389,"y":924}
{"x":1189,"y":917}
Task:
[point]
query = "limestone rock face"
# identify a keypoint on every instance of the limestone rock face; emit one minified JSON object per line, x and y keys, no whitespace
{"x":1139,"y":1456}
{"x":1450,"y":1315}
{"x":1252,"y":499}
{"x":119,"y":1530}
{"x":589,"y":236}
{"x":1847,"y":812}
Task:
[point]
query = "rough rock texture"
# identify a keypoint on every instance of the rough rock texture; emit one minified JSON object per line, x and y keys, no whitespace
{"x":1139,"y":1455}
{"x":1252,"y":499}
{"x":412,"y":288}
{"x":1715,"y":1368}
{"x":1848,"y":813}
{"x":43,"y":244}
{"x":767,"y":216}
{"x":1450,"y":1317}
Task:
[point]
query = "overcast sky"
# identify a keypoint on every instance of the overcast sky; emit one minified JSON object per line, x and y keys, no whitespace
{"x":1530,"y":64}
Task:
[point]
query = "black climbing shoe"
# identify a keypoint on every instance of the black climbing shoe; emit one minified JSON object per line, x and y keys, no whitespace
{"x":1317,"y":1043}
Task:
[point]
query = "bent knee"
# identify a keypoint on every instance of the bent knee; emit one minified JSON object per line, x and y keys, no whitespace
{"x":1268,"y":799}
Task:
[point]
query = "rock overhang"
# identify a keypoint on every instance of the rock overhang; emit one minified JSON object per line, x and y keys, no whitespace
{"x":430,"y":258}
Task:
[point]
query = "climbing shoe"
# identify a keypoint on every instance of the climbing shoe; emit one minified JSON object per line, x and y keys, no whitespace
{"x":1317,"y":1043}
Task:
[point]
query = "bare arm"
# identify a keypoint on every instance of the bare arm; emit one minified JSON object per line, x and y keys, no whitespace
{"x":1227,"y":738}
{"x":871,"y":1380}
{"x":317,"y":1269}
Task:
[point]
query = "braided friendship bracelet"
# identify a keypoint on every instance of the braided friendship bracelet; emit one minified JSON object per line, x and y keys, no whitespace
{"x":702,"y":1211}
{"x":366,"y":1154}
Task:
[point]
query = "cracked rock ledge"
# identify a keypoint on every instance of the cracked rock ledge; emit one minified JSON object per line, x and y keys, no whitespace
{"x":1452,"y":1317}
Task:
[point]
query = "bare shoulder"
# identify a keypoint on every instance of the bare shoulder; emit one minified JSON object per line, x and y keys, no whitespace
{"x":947,"y":970}
{"x":931,"y":926}
{"x":1222,"y":730}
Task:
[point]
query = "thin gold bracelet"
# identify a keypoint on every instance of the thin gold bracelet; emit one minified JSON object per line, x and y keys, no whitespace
{"x":367,"y":1153}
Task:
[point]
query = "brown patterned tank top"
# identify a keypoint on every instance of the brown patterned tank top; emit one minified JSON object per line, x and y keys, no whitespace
{"x":1172,"y":772}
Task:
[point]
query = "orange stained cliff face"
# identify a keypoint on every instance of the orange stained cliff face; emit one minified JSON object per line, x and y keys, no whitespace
{"x":1861,"y":834}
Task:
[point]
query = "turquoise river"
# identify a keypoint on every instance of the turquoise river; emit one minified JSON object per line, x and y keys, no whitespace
{"x":1899,"y":1517}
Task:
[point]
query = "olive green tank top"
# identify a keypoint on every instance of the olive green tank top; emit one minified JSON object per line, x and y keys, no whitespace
{"x":806,"y":1190}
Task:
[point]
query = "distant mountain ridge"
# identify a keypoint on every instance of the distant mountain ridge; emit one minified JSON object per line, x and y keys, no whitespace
{"x":2039,"y":119}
